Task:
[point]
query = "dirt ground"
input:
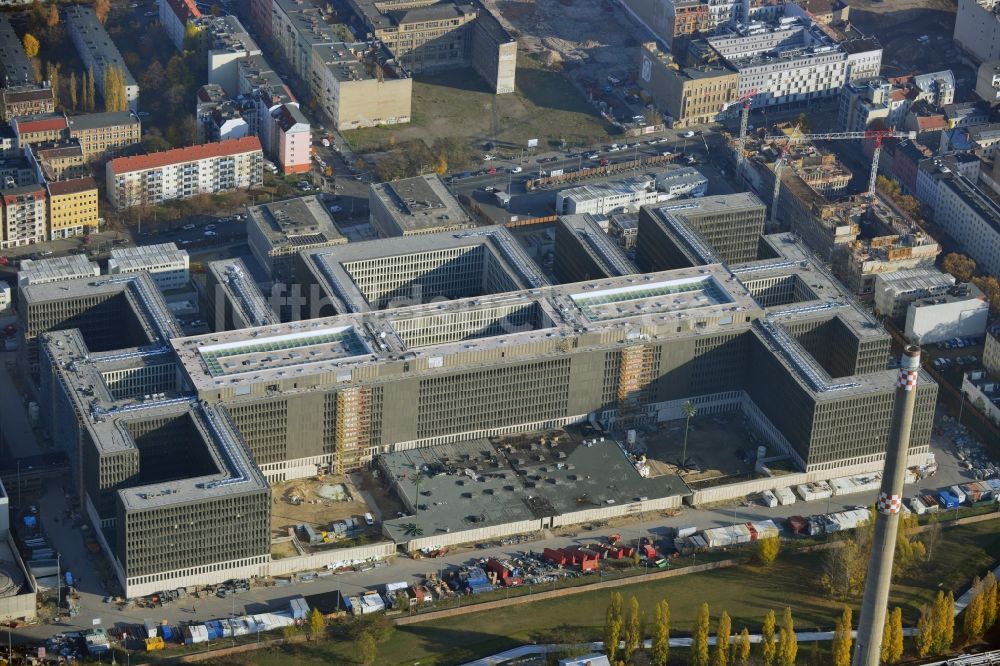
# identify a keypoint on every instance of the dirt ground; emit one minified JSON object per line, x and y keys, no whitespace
{"x":898,"y":23}
{"x":714,"y":447}
{"x":311,"y":507}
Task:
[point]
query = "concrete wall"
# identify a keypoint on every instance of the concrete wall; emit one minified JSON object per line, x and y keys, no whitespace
{"x":20,"y":606}
{"x":372,"y":102}
{"x":977,"y":31}
{"x":287,"y":565}
{"x":926,"y":324}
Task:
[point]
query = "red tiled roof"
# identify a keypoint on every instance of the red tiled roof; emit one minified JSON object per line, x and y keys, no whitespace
{"x":61,"y":187}
{"x":44,"y":125}
{"x":184,"y":10}
{"x":898,"y":95}
{"x":925,"y":123}
{"x":204,"y":151}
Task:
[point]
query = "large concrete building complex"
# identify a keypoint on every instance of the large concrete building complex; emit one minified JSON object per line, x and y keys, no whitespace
{"x":415,"y":342}
{"x":413,"y":206}
{"x":180,"y":173}
{"x":584,"y":252}
{"x":97,"y":52}
{"x":233,"y":300}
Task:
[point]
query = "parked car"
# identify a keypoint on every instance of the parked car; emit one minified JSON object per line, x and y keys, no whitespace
{"x":516,"y":169}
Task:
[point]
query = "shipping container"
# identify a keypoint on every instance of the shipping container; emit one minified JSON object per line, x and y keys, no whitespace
{"x":151,"y":628}
{"x":947,"y":500}
{"x":785,"y":496}
{"x":797,"y":524}
{"x":957,"y":492}
{"x":810,"y":492}
{"x":769,"y":499}
{"x":917,"y":506}
{"x":686,"y":531}
{"x":153,"y":644}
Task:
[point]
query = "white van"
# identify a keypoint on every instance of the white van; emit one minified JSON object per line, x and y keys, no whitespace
{"x":369,"y":519}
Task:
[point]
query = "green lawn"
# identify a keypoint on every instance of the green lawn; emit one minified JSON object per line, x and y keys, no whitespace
{"x":457,"y":103}
{"x":746,"y":592}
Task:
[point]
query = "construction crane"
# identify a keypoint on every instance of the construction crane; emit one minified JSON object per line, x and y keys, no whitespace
{"x":746,"y":99}
{"x":877,"y":135}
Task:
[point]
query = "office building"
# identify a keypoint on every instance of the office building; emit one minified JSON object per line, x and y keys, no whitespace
{"x":895,"y":291}
{"x":682,"y":182}
{"x":977,"y":30}
{"x":112,"y":312}
{"x":103,"y":135}
{"x":278,"y":231}
{"x":623,"y":195}
{"x":584,"y":252}
{"x":413,"y":206}
{"x":180,"y":173}
{"x":56,"y":269}
{"x":427,"y":36}
{"x":38,"y":129}
{"x":688,"y":95}
{"x":175,"y":15}
{"x":360,"y":84}
{"x":721,"y":228}
{"x":97,"y":52}
{"x":960,"y":312}
{"x":164,"y":520}
{"x":233,"y":299}
{"x":166,"y":265}
{"x":24,"y":215}
{"x":791,"y":60}
{"x":375,"y":275}
{"x":72,"y":207}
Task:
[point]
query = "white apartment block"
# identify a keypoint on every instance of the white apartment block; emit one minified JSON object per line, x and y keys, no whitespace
{"x":793,"y":59}
{"x":970,"y":217}
{"x":605,"y":198}
{"x":97,"y":51}
{"x":185,"y":172}
{"x":169,"y":267}
{"x":977,"y":29}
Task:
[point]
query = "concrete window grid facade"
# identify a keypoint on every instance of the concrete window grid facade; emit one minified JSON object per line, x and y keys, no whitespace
{"x":448,"y":273}
{"x":493,"y":396}
{"x":433,"y":330}
{"x":145,"y":380}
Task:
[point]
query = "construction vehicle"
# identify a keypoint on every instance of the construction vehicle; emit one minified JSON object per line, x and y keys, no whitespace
{"x":877,"y":135}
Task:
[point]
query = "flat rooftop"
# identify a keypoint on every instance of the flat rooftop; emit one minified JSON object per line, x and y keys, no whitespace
{"x":237,"y":283}
{"x":479,"y":483}
{"x":420,"y":203}
{"x":143,"y":256}
{"x":698,"y":299}
{"x":301,"y":221}
{"x":597,"y":244}
{"x":36,"y":271}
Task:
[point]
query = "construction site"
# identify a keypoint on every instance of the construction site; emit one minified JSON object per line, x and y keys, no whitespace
{"x":323,"y":503}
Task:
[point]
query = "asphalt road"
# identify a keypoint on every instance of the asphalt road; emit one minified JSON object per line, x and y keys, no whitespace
{"x":69,"y":540}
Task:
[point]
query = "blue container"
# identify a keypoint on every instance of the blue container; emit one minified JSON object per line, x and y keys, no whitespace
{"x":947,"y":500}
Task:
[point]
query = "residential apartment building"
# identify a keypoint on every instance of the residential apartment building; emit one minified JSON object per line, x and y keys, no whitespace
{"x":168,"y":266}
{"x":57,"y":160}
{"x":977,"y":29}
{"x":988,"y":81}
{"x":27,"y":100}
{"x":971,"y":218}
{"x":625,"y":195}
{"x":97,"y":52}
{"x":228,"y":43}
{"x":15,"y":66}
{"x":103,"y":135}
{"x":415,"y":206}
{"x":72,"y":207}
{"x":23,"y":219}
{"x":38,"y":129}
{"x":185,"y":172}
{"x":790,"y":61}
{"x":677,"y":21}
{"x":293,"y":139}
{"x":938,"y":88}
{"x":175,"y":15}
{"x":864,"y":101}
{"x":688,"y":95}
